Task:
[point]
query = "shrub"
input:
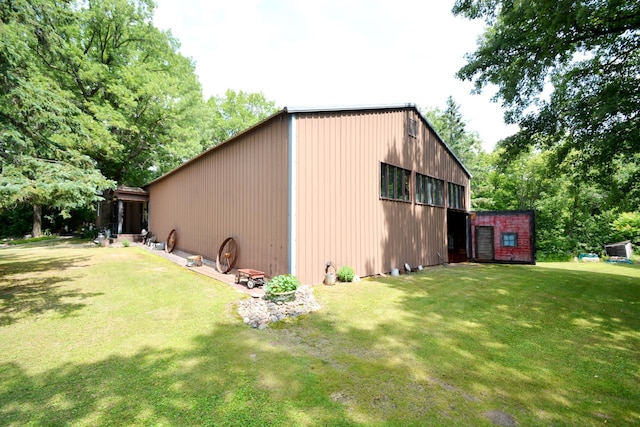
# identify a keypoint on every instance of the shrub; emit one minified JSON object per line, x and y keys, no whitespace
{"x":345,"y":273}
{"x":553,"y":257}
{"x":30,"y":240}
{"x":627,"y":227}
{"x":126,"y":243}
{"x":282,"y":283}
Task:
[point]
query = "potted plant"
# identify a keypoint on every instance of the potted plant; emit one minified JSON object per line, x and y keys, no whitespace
{"x":282,"y":288}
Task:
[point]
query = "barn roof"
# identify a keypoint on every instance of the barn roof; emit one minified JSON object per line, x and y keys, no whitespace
{"x":319,"y":110}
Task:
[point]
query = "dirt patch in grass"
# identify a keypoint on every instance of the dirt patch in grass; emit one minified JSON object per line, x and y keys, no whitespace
{"x":452,"y":388}
{"x":501,"y":418}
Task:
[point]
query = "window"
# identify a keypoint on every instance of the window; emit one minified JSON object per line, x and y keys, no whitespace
{"x":429,"y":191}
{"x":456,"y":196}
{"x":412,"y":128}
{"x":438,"y":190}
{"x":420,"y":193}
{"x":510,"y":240}
{"x":394,"y":183}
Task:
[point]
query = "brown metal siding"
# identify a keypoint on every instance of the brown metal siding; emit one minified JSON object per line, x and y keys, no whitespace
{"x":340,"y":216}
{"x":238,"y":189}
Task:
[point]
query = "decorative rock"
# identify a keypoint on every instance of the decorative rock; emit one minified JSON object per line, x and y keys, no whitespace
{"x":258,"y":312}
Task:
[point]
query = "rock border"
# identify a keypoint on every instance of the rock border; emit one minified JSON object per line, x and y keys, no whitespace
{"x":259,"y":312}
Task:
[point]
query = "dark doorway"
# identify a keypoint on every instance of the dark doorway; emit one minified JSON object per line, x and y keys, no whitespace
{"x":457,"y":236}
{"x":134,"y":217}
{"x":124,"y":211}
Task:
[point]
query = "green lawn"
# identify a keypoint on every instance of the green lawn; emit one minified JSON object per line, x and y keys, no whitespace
{"x":119,"y":336}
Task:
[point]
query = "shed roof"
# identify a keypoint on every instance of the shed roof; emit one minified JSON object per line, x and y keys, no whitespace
{"x":126,"y":193}
{"x":123,"y":189}
{"x":319,"y":110}
{"x":610,"y":245}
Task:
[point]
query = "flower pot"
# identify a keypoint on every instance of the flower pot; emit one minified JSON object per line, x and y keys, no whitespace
{"x":329,"y":279}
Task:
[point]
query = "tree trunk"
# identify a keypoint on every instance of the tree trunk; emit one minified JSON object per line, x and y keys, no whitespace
{"x":36,"y":231}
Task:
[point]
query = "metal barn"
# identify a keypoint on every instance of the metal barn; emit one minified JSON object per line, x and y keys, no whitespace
{"x":369,"y":187}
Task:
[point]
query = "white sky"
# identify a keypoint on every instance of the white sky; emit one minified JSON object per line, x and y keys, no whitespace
{"x":334,"y":52}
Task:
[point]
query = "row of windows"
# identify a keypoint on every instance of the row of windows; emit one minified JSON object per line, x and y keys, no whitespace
{"x":395,"y":185}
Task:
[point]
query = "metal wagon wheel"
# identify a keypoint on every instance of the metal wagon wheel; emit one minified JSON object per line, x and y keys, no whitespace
{"x":227,"y":255}
{"x":171,"y":241}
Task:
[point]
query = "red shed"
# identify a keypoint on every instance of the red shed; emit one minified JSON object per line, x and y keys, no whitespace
{"x":503,"y":236}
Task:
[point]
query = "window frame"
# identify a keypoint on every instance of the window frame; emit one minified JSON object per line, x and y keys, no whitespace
{"x":429,"y":190}
{"x":508,"y":237}
{"x":456,"y":199}
{"x":395,"y":183}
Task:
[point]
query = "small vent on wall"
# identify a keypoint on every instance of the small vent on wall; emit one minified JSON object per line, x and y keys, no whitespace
{"x":412,"y":128}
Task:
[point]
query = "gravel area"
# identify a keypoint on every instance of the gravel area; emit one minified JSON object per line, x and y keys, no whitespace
{"x":259,"y":312}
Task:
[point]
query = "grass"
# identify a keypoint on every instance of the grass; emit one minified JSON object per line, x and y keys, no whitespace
{"x":30,"y":240}
{"x":114,"y":336}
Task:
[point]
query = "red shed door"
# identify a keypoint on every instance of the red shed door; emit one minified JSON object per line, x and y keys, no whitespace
{"x":484,"y":243}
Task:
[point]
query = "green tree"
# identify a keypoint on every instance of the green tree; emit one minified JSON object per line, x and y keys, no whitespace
{"x":587,"y":56}
{"x":517,"y":185}
{"x":41,"y":129}
{"x":17,"y":221}
{"x":91,"y":94}
{"x":482,"y":197}
{"x":452,"y":127}
{"x":626,"y":226}
{"x":127,"y":76}
{"x":466,"y":145}
{"x":237,"y":111}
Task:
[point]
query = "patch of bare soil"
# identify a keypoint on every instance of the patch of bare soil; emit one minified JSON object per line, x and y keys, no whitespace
{"x":455,"y":389}
{"x":501,"y":418}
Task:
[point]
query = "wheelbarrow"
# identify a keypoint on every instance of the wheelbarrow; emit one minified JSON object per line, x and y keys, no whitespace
{"x":251,"y":276}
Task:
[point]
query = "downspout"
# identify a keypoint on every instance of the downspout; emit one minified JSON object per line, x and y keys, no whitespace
{"x":292,"y":164}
